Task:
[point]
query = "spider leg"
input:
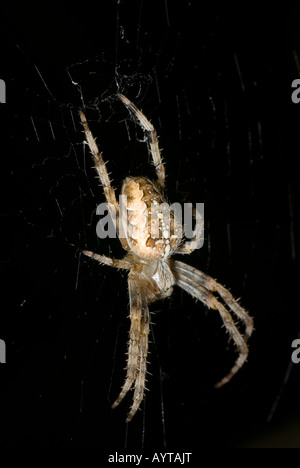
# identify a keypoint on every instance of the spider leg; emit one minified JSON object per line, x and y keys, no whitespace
{"x":197,"y":276}
{"x":153,"y":140}
{"x":112,"y":262}
{"x":235,"y":307}
{"x":138,"y":348}
{"x":201,"y":286}
{"x":100,"y":167}
{"x":139,"y":387}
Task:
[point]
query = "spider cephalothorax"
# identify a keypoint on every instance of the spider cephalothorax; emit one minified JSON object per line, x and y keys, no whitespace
{"x":150,"y":232}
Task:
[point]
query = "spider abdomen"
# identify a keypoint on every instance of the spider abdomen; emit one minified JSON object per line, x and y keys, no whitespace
{"x":151,"y":227}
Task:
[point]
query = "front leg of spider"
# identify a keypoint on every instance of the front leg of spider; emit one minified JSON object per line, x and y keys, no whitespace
{"x":138,"y":346}
{"x":153,"y":235}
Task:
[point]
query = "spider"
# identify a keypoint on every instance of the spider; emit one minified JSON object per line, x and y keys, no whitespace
{"x":152,"y":271}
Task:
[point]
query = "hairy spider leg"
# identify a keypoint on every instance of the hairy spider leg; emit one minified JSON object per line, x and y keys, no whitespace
{"x":153,"y":140}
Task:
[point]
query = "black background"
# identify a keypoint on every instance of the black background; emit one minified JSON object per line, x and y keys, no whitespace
{"x":217,"y":86}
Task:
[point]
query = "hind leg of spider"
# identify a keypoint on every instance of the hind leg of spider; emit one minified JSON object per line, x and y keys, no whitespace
{"x":153,"y":140}
{"x":100,"y":167}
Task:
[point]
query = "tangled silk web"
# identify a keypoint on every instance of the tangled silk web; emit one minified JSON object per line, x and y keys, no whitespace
{"x":208,"y":84}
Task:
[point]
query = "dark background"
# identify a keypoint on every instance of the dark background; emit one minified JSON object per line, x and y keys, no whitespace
{"x":217,"y":86}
